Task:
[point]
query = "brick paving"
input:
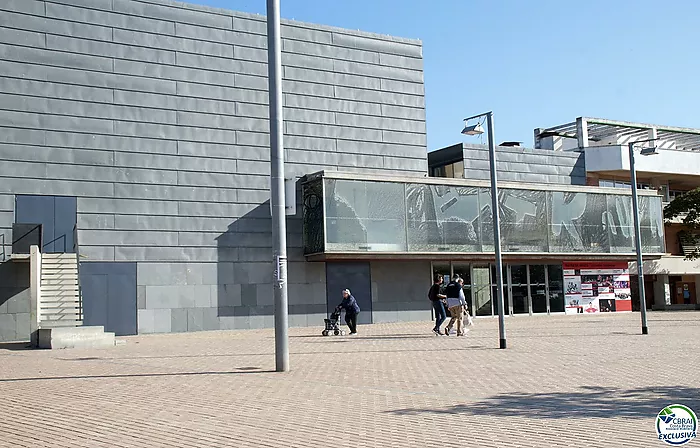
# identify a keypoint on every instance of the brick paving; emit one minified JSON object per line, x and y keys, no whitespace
{"x":574,"y":381}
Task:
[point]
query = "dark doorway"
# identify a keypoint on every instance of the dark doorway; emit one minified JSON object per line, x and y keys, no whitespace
{"x":356,"y":278}
{"x":109,"y":296}
{"x":57,"y":216}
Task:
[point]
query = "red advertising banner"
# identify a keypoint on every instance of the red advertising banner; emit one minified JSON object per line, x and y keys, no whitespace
{"x":598,"y":265}
{"x":596,"y":287}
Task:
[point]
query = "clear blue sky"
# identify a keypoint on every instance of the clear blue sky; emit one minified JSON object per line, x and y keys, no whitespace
{"x":534,"y":63}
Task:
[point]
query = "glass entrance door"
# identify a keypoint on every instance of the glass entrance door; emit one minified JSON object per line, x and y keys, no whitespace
{"x":538,"y":288}
{"x":555,"y":287}
{"x":481,"y":291}
{"x":519,"y":292}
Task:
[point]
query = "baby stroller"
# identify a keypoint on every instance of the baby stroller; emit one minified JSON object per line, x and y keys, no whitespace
{"x":332,"y":324}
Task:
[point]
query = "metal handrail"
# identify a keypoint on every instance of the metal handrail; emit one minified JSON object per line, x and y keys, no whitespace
{"x":76,"y":249}
{"x":2,"y":245}
{"x":56,"y":239}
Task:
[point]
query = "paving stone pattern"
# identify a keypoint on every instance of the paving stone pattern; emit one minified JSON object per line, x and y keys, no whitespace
{"x":571,"y":381}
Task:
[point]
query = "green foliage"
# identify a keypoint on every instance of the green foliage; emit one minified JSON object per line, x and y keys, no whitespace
{"x":687,"y":209}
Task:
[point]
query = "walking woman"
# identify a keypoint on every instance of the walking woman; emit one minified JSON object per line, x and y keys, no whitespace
{"x":352,"y":309}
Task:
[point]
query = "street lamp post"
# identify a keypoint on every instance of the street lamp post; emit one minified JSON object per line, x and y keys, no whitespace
{"x":277,"y":197}
{"x":475,"y":130}
{"x":638,"y":231}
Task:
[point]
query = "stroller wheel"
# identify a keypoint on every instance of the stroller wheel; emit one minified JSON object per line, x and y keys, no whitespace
{"x":324,"y":332}
{"x":342,"y":332}
{"x":336,"y":332}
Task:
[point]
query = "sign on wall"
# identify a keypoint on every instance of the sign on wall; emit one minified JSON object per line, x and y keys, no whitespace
{"x":596,"y":287}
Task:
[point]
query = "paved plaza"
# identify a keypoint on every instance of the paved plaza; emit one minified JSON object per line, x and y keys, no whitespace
{"x":573,"y":381}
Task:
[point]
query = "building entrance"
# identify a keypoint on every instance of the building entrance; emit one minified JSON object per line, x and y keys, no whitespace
{"x":527,"y":288}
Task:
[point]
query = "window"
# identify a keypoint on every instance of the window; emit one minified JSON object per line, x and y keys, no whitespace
{"x":611,"y":183}
{"x":673,"y":194}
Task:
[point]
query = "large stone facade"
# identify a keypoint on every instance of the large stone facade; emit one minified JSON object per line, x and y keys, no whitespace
{"x":154,"y":115}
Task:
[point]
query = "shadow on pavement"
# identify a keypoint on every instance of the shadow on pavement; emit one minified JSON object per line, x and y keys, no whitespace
{"x":239,"y":371}
{"x":15,"y":346}
{"x":590,"y":402}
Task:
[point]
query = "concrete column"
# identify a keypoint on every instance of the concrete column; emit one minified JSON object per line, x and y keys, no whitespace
{"x":582,"y":132}
{"x":652,"y":134}
{"x":34,"y":294}
{"x":662,"y":292}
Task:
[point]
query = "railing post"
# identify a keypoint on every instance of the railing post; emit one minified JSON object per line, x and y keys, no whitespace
{"x":35,"y":295}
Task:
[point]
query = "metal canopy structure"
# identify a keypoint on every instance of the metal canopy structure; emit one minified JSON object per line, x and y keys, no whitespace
{"x":599,"y":129}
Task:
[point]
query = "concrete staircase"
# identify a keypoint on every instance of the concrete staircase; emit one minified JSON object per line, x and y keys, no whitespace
{"x":60,"y":307}
{"x":60,"y":291}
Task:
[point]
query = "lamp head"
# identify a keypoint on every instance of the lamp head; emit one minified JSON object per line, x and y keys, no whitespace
{"x":476,"y":129}
{"x":648,"y":151}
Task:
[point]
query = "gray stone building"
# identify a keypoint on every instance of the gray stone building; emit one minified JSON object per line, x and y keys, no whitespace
{"x":134,"y":155}
{"x":142,"y":124}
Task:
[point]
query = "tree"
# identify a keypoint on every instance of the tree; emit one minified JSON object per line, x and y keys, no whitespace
{"x":687,"y":209}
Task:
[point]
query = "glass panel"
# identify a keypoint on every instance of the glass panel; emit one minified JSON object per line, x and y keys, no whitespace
{"x":518,"y":274}
{"x":397,"y":217}
{"x":520,"y":304}
{"x":464,"y":271}
{"x":577,"y":222}
{"x":556,"y":288}
{"x":481,"y":291}
{"x":537,"y":274}
{"x":523,"y":220}
{"x":618,"y":219}
{"x":652,"y":224}
{"x":538,"y":294}
{"x":442,"y":218}
{"x":486,"y":220}
{"x":313,"y":217}
{"x":367,"y":216}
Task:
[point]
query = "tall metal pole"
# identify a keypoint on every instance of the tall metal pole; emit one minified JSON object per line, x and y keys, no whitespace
{"x":277,"y":199}
{"x":496,"y":233}
{"x":638,"y":242}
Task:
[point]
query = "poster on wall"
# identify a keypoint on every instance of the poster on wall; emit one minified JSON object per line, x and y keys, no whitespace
{"x":597,"y":287}
{"x":573,"y":294}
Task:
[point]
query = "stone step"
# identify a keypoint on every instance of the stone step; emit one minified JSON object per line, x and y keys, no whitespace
{"x":63,"y":287}
{"x":58,"y":297}
{"x":59,"y":276}
{"x":60,"y":281}
{"x":77,"y":337}
{"x":61,"y":304}
{"x":58,"y":313}
{"x":46,"y":300}
{"x":67,"y":284}
{"x":63,"y":267}
{"x":64,"y":320}
{"x":60,"y":287}
{"x":61,"y":323}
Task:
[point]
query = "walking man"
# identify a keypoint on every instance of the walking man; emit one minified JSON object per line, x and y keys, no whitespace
{"x":456,"y":304}
{"x":352,"y":309}
{"x":437,"y":300}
